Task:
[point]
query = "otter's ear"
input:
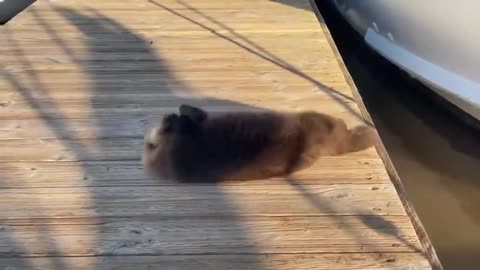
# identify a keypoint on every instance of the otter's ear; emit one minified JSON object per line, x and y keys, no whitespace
{"x":195,"y":114}
{"x":169,"y":122}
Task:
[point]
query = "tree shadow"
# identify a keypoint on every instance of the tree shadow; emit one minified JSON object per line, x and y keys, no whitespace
{"x":10,"y":240}
{"x":95,"y":25}
{"x":246,"y":44}
{"x":60,"y":128}
{"x":112,"y":82}
{"x":374,"y":222}
{"x":17,"y":232}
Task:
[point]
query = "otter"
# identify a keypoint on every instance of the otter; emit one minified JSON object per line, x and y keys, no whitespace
{"x":194,"y":146}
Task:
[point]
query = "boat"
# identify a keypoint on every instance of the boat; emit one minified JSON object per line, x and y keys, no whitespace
{"x":436,"y":42}
{"x":11,"y":8}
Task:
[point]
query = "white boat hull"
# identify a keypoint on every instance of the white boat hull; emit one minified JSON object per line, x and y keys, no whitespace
{"x":437,"y":42}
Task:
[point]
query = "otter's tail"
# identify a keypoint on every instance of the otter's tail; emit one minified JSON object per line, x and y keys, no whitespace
{"x":357,"y":139}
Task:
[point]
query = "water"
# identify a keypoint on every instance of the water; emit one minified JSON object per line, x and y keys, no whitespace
{"x":436,"y":155}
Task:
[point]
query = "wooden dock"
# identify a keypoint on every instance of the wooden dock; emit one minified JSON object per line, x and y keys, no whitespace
{"x":80,"y":81}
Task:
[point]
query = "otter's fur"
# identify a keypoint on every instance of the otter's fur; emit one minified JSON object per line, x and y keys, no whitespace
{"x":194,"y":146}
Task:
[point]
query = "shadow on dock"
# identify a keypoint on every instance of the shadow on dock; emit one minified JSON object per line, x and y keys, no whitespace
{"x":104,"y":36}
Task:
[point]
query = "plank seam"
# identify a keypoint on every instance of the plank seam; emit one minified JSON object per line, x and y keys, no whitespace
{"x":383,"y":183}
{"x":156,"y":216}
{"x":8,"y":256}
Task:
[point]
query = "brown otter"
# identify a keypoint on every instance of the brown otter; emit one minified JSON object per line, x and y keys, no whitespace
{"x":194,"y":146}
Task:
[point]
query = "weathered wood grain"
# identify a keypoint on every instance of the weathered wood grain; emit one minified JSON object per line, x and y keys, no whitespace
{"x":282,"y":199}
{"x":84,"y":149}
{"x":81,"y":80}
{"x":329,"y":170}
{"x":156,"y":235}
{"x":345,"y":261}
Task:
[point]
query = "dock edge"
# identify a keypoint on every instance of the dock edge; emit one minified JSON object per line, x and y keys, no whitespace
{"x":428,"y":249}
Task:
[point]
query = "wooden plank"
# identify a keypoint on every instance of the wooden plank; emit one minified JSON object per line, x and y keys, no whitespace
{"x":169,"y":49}
{"x":23,"y":95}
{"x":197,"y":44}
{"x":345,"y":261}
{"x":185,"y":76}
{"x":146,"y":101}
{"x":161,"y":17}
{"x":166,"y":82}
{"x":176,"y":62}
{"x":67,"y":19}
{"x":156,"y":13}
{"x":175,"y":4}
{"x":256,"y":39}
{"x":203,"y":89}
{"x":72,"y":150}
{"x":103,"y":114}
{"x":183,"y":236}
{"x":159,"y":14}
{"x":82,"y":149}
{"x":180,"y":26}
{"x":329,"y":170}
{"x":210,"y":6}
{"x":206,"y":88}
{"x":25,"y":34}
{"x":202,"y":200}
{"x":154,"y":94}
{"x":149,"y":109}
{"x":253,"y":39}
{"x":32,"y":109}
{"x":139,"y":100}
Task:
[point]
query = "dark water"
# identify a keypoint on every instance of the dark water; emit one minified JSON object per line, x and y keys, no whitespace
{"x":436,"y":155}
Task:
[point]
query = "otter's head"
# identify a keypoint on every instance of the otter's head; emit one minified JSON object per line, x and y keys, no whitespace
{"x":160,"y":139}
